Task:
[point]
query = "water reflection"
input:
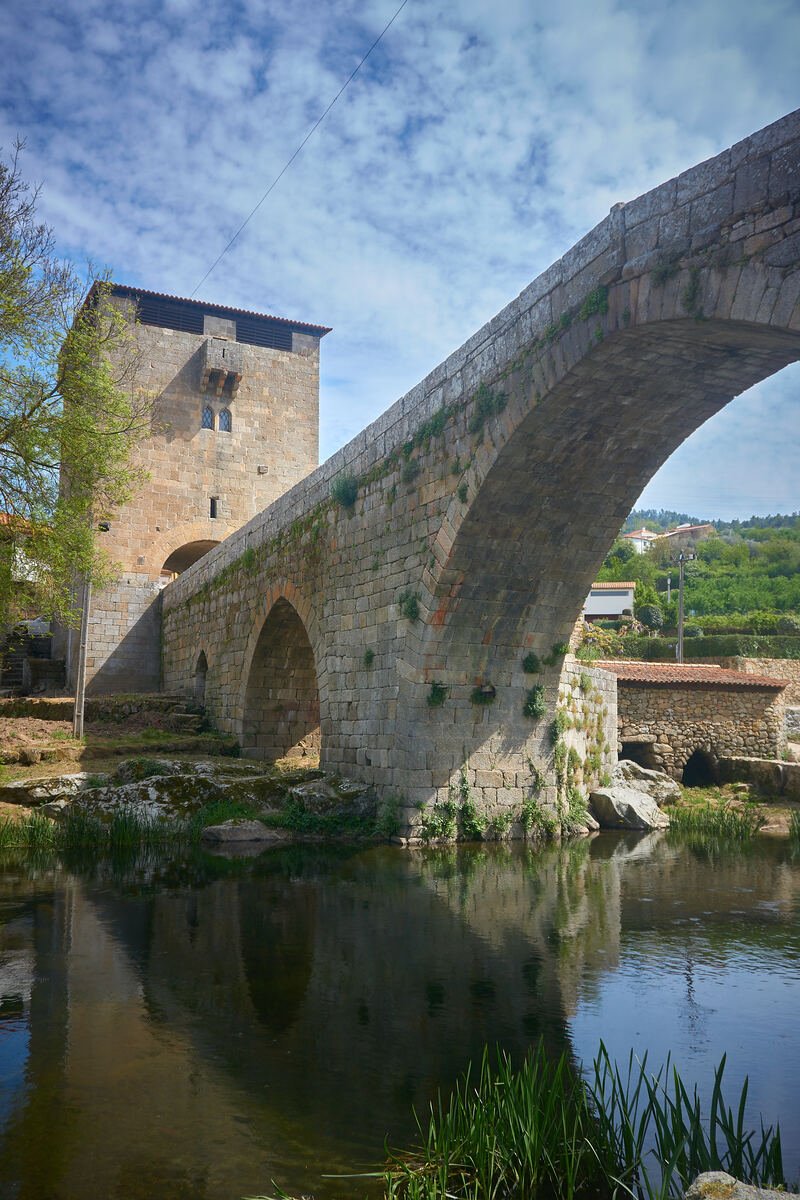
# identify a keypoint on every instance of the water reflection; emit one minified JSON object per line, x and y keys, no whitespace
{"x":198,"y":1028}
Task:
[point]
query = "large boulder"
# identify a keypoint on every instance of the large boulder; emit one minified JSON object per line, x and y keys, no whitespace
{"x":624,"y":807}
{"x":656,"y":784}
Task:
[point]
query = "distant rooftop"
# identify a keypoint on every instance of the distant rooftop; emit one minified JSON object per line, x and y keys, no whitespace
{"x":185,"y":315}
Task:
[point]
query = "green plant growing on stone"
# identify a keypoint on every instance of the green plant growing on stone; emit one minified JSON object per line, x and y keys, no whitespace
{"x":559,"y":725}
{"x":594,"y":304}
{"x":408,"y":603}
{"x":576,"y":812}
{"x":410,"y":471}
{"x":440,"y":821}
{"x":463,"y":492}
{"x":369,"y":657}
{"x":666,"y":269}
{"x":455,"y":466}
{"x":472,"y":822}
{"x":487,"y":404}
{"x":690,"y":296}
{"x":483,"y":695}
{"x":344,"y":490}
{"x":531,"y":664}
{"x":437,"y":695}
{"x":535,"y":705}
{"x":501,"y":823}
{"x":585,"y":682}
{"x":535,"y":820}
{"x":557,"y":651}
{"x":387,"y":818}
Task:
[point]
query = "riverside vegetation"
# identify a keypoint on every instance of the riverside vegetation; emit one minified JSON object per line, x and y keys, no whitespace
{"x":544,"y":1131}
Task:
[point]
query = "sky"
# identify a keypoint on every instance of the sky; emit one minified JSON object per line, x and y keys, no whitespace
{"x":477,"y":143}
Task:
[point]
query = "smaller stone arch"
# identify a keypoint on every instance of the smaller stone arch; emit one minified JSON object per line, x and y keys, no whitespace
{"x":700,"y":769}
{"x":200,"y":673}
{"x":281,"y":709}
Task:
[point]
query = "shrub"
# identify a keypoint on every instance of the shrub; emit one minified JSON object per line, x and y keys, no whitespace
{"x":344,"y":490}
{"x":531,"y":664}
{"x":484,"y":694}
{"x":408,"y":604}
{"x":437,"y":695}
{"x":369,"y":657}
{"x":535,"y":705}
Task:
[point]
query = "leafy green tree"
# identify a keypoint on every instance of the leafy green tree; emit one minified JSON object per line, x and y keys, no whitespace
{"x":651,"y":617}
{"x":69,"y":416}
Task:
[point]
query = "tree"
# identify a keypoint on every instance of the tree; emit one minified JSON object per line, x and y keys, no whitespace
{"x":69,"y":415}
{"x":651,"y":617}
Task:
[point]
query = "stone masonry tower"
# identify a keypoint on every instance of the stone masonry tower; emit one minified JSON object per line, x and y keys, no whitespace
{"x":236,"y":425}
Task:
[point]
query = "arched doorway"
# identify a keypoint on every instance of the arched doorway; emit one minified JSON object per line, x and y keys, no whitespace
{"x":281,"y":709}
{"x":700,"y":770}
{"x":200,"y":672}
{"x":182,"y":558}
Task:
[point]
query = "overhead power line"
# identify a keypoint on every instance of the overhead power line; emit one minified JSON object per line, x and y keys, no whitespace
{"x":289,"y":162}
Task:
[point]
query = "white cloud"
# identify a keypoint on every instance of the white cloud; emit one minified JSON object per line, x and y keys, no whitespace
{"x":472,"y":149}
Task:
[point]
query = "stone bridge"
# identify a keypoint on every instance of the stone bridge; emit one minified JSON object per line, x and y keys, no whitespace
{"x":406,"y":606}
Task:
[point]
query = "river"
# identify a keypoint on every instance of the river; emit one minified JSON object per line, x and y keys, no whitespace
{"x":193,"y":1029}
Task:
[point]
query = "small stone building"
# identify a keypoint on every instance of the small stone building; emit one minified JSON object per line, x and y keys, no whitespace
{"x":683,"y":718}
{"x":235,"y":426}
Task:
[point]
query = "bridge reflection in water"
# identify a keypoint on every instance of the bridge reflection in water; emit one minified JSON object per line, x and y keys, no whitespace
{"x":227,"y":1025}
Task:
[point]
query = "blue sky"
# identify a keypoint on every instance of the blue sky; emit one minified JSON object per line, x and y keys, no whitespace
{"x":476,"y":145}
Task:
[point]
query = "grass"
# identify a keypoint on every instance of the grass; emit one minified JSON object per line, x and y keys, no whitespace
{"x":544,"y":1131}
{"x":79,"y":830}
{"x":794,"y":825}
{"x":718,"y":821}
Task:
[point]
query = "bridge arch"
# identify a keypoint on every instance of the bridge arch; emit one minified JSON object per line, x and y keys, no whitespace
{"x":280,"y":704}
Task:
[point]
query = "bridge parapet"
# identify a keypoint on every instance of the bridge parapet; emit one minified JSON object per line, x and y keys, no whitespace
{"x":488,"y":495}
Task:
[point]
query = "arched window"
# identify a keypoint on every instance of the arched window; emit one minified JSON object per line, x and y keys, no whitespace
{"x":225,"y":420}
{"x":207,"y":421}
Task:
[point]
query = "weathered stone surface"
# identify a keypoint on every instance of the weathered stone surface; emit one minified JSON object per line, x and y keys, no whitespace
{"x":655,"y":784}
{"x":718,"y":1185}
{"x":242,"y":831}
{"x":624,"y":807}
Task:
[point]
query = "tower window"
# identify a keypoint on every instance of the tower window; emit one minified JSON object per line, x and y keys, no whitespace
{"x":207,"y":421}
{"x":212,"y":508}
{"x":224,"y":420}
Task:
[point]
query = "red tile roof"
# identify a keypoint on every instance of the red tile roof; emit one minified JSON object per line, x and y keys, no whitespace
{"x":703,"y":675}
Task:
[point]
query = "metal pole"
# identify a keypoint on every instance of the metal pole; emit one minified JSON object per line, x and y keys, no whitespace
{"x":80,"y":682}
{"x":680,"y":607}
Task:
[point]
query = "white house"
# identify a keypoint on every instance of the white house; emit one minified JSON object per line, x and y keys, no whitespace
{"x":641,"y":539}
{"x":609,"y":600}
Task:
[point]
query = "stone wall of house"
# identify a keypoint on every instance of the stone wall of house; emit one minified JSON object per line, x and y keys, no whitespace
{"x":674,"y":721}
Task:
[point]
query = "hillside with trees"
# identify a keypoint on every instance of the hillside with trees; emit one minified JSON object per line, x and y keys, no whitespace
{"x":745,"y":579}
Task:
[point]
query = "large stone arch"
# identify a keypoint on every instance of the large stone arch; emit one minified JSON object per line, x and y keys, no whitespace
{"x":280,"y":711}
